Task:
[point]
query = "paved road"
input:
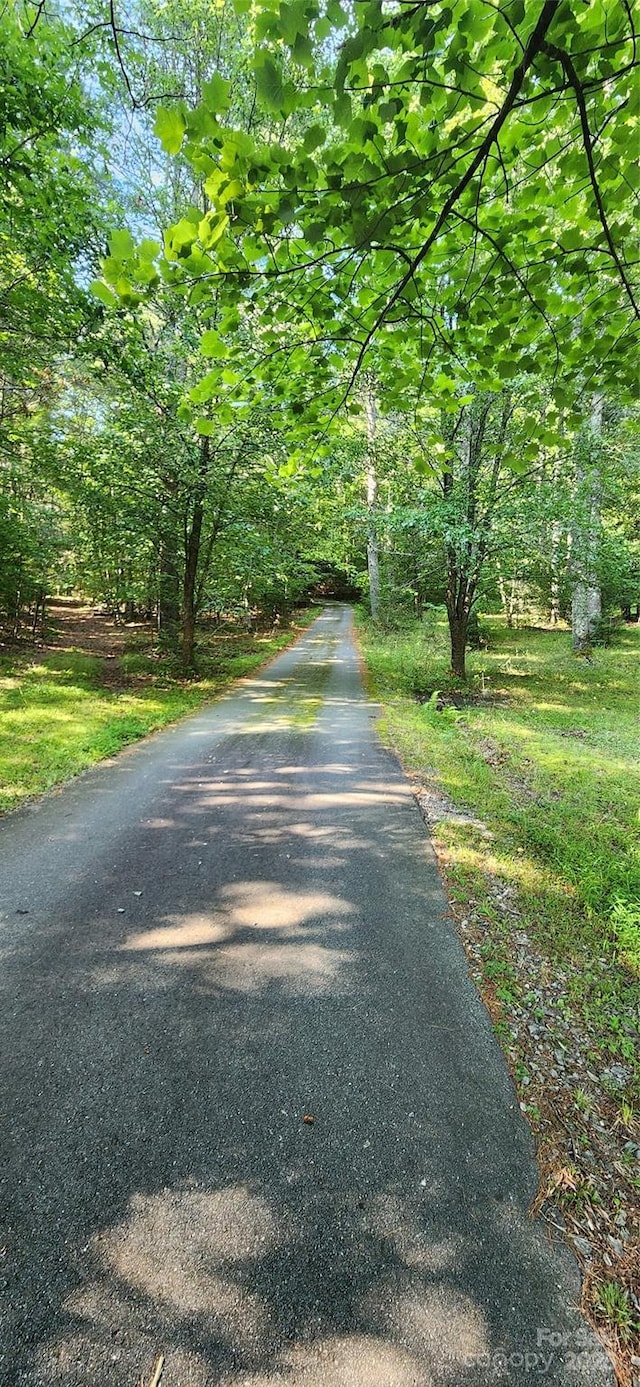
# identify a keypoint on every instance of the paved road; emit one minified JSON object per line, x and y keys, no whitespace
{"x":238,"y":923}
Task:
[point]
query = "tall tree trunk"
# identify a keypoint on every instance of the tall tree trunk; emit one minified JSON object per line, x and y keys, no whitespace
{"x":168,"y":586}
{"x":458,"y":626}
{"x":192,"y":555}
{"x":459,"y":599}
{"x":38,"y":611}
{"x":373,"y":555}
{"x":556,"y":538}
{"x":507,"y":596}
{"x":556,"y":542}
{"x":586,"y":605}
{"x":458,"y":594}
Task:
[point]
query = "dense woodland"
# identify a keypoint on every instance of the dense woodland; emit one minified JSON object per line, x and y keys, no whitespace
{"x":305,"y":293}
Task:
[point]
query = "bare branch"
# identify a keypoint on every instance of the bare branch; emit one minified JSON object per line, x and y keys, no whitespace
{"x":572,"y":77}
{"x":534,"y":46}
{"x":38,"y":16}
{"x":115,"y":31}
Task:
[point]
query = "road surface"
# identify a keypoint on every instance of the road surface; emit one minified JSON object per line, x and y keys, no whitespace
{"x":235,"y":926}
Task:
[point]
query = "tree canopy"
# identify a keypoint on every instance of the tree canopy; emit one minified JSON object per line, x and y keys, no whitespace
{"x":228,"y":224}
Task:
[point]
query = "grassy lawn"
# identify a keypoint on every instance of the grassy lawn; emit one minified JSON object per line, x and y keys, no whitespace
{"x":548,"y":758}
{"x":532,"y":791}
{"x":63,"y":709}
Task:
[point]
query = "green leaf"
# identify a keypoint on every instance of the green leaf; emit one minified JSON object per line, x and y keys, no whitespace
{"x":444,"y":384}
{"x":101,"y":291}
{"x":148,"y":250}
{"x":183,"y":234}
{"x":216,"y":93}
{"x":336,"y":14}
{"x":212,"y":345}
{"x":211,"y":229}
{"x":269,"y":84}
{"x":314,"y":137}
{"x":518,"y":465}
{"x":169,"y":126}
{"x":205,"y":427}
{"x":121,"y":244}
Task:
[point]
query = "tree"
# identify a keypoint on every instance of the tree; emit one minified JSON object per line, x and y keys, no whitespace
{"x":586,"y":603}
{"x":373,"y":555}
{"x":435,"y":197}
{"x":48,"y":223}
{"x":365,"y":242}
{"x":409,"y":234}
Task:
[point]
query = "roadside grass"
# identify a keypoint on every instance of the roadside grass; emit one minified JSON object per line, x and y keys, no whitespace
{"x":548,"y":756}
{"x":534,"y":776}
{"x":62,"y":710}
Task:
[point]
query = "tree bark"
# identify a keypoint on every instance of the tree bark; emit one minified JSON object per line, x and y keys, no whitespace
{"x":192,"y":555}
{"x":556,"y":538}
{"x":373,"y":554}
{"x":458,"y":626}
{"x":557,"y":529}
{"x":507,"y":597}
{"x":459,"y":594}
{"x":168,"y":587}
{"x":586,"y":605}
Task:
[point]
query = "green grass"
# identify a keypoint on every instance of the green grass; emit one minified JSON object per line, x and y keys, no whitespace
{"x":548,"y":759}
{"x":58,"y":714}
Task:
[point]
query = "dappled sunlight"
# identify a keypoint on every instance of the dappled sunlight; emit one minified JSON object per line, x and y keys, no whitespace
{"x":279,"y":908}
{"x":171,"y":1259}
{"x":259,"y":905}
{"x":391,"y":1221}
{"x":310,"y":835}
{"x":554,"y":746}
{"x":355,"y":1360}
{"x":205,"y":1274}
{"x":439,"y":1324}
{"x":300,"y":967}
{"x":185,"y":932}
{"x":259,"y":794}
{"x":219,"y":943}
{"x":327,"y":768}
{"x":94,"y":1353}
{"x":548,"y":707}
{"x":178,"y":1246}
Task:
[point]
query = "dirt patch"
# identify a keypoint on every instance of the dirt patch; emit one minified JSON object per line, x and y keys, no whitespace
{"x":452,"y":698}
{"x":435,"y":805}
{"x":76,"y":626}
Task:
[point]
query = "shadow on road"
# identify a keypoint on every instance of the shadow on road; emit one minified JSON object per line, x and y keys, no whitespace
{"x":267,"y":941}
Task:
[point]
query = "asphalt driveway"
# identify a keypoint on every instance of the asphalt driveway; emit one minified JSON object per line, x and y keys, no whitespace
{"x":235,"y":926}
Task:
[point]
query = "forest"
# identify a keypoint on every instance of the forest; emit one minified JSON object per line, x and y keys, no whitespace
{"x":296,"y":290}
{"x":339,"y":299}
